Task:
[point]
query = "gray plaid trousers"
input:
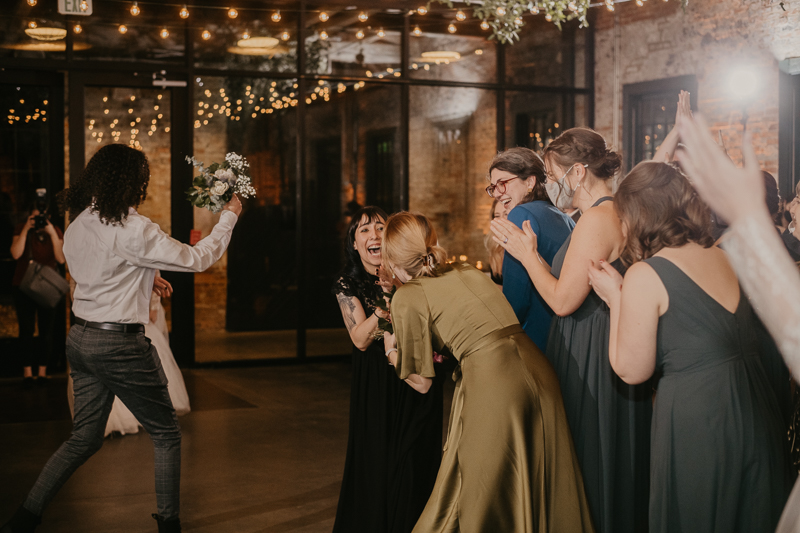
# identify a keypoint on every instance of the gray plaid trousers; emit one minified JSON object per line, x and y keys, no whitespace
{"x":105,"y":364}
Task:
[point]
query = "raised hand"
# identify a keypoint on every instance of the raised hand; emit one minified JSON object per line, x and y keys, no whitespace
{"x":730,"y":191}
{"x":234,"y":206}
{"x":606,"y":281}
{"x":520,"y":243}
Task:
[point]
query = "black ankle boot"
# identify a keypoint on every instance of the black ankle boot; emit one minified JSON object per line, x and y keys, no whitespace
{"x":172,"y":525}
{"x":23,"y":521}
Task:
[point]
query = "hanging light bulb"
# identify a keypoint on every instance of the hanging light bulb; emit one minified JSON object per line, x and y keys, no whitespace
{"x":246,"y":35}
{"x":417,"y":32}
{"x":164,"y":33}
{"x":123,"y":29}
{"x":422,"y":10}
{"x":535,"y":9}
{"x":639,"y":3}
{"x":31,"y":3}
{"x":501,"y":11}
{"x":184,"y":12}
{"x":84,"y":5}
{"x":610,"y":5}
{"x":232,"y":13}
{"x":32,"y":25}
{"x":285,"y":36}
{"x":548,"y":17}
{"x":360,"y":34}
{"x":135,"y":9}
{"x":323,"y":17}
{"x":363,"y":17}
{"x":77,"y":28}
{"x":484,"y":25}
{"x":206,"y":35}
{"x":276,"y":17}
{"x":518,"y":21}
{"x":381,"y":33}
{"x":452,"y":28}
{"x":461,"y":16}
{"x":323,"y":35}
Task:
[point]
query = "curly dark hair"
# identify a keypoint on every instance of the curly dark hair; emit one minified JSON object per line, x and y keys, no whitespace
{"x":524,"y":163}
{"x":353,"y":268}
{"x":115,"y":180}
{"x":660,"y":209}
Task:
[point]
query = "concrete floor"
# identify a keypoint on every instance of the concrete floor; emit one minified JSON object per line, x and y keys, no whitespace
{"x":269,"y":459}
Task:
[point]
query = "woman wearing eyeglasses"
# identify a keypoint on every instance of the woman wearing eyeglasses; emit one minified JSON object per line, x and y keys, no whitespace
{"x":517,"y":181}
{"x":610,"y":420}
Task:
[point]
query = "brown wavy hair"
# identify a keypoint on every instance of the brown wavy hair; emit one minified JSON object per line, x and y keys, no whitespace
{"x":524,"y":163}
{"x":410,"y":242}
{"x":115,"y":180}
{"x":587,"y":147}
{"x":661,"y":210}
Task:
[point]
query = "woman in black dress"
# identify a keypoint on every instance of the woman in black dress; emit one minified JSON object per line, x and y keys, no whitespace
{"x":395,"y":437}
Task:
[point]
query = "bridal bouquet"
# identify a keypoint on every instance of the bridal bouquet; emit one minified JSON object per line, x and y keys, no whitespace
{"x":216,"y":184}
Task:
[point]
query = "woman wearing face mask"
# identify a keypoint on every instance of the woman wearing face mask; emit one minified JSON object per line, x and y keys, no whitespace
{"x":517,"y":181}
{"x":610,"y":421}
{"x":395,"y":436}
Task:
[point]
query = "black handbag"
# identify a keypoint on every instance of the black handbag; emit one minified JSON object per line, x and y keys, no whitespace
{"x":43,"y":284}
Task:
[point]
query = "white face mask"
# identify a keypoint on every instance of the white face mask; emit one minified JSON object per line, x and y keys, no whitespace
{"x":560,"y":192}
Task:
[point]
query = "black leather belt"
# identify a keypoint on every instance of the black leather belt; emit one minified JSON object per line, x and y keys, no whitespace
{"x":110,"y":326}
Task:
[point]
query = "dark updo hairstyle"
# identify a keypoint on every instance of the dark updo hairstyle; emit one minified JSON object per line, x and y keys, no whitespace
{"x":661,"y":210}
{"x":115,"y":180}
{"x":524,"y":163}
{"x":587,"y":147}
{"x":773,"y":197}
{"x":353,"y":267}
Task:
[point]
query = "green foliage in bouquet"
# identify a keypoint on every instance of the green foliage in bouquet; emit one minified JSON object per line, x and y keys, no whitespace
{"x":217,"y":183}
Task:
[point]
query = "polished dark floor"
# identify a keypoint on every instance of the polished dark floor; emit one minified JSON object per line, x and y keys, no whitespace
{"x":263,"y":451}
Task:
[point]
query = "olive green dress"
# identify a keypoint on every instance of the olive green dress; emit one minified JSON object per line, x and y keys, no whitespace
{"x":509,"y":464}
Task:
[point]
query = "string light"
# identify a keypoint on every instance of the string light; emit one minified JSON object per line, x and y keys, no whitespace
{"x":501,"y":11}
{"x":32,"y":25}
{"x":452,"y":28}
{"x":84,"y":5}
{"x":285,"y":36}
{"x":184,"y":12}
{"x":246,"y":35}
{"x":276,"y":17}
{"x":518,"y":21}
{"x":535,"y":9}
{"x":206,"y":35}
{"x":323,"y":35}
{"x":381,"y":33}
{"x":484,"y":25}
{"x":323,"y":17}
{"x":31,"y":3}
{"x":460,"y":16}
{"x":417,"y":32}
{"x":164,"y":33}
{"x":135,"y":9}
{"x":639,"y":3}
{"x":123,"y":29}
{"x":422,"y":10}
{"x":363,"y":17}
{"x":232,"y":13}
{"x":360,"y":34}
{"x":548,"y":17}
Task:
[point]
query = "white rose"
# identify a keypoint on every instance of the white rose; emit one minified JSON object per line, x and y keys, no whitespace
{"x":224,"y":174}
{"x":219,"y":188}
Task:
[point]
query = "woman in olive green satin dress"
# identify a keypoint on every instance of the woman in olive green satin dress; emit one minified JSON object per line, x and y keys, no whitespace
{"x":509,"y":463}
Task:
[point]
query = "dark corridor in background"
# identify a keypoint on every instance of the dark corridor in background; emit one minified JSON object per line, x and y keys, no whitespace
{"x":31,"y":157}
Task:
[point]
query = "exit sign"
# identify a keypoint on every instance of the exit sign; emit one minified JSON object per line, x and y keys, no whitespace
{"x":73,"y":7}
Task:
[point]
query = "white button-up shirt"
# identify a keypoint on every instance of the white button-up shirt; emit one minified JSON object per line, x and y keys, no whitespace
{"x":114,"y":266}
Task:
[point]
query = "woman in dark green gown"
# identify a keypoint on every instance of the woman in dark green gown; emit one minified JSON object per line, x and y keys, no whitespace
{"x":609,"y":419}
{"x":718,"y":456}
{"x":509,"y":464}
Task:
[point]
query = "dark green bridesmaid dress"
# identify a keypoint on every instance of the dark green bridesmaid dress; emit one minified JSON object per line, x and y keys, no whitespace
{"x":718,"y":456}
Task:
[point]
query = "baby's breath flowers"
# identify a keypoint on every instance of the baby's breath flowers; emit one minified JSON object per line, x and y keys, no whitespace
{"x":217,"y":183}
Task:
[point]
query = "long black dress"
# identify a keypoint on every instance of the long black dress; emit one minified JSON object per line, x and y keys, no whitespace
{"x":718,"y":454}
{"x":609,"y":420}
{"x":394,"y":445}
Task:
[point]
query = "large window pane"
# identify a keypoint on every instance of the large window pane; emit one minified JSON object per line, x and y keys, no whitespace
{"x":547,"y":56}
{"x":353,"y":154}
{"x":32,"y":32}
{"x":344,"y":41}
{"x":452,"y":141}
{"x":246,"y":304}
{"x":535,"y":119}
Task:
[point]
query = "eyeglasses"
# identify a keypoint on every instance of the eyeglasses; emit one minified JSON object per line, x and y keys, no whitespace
{"x":500,"y":186}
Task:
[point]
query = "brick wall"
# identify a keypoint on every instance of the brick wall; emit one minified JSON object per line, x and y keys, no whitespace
{"x":709,"y":40}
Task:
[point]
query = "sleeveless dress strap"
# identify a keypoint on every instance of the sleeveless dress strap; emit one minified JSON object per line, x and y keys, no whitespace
{"x":601,"y":200}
